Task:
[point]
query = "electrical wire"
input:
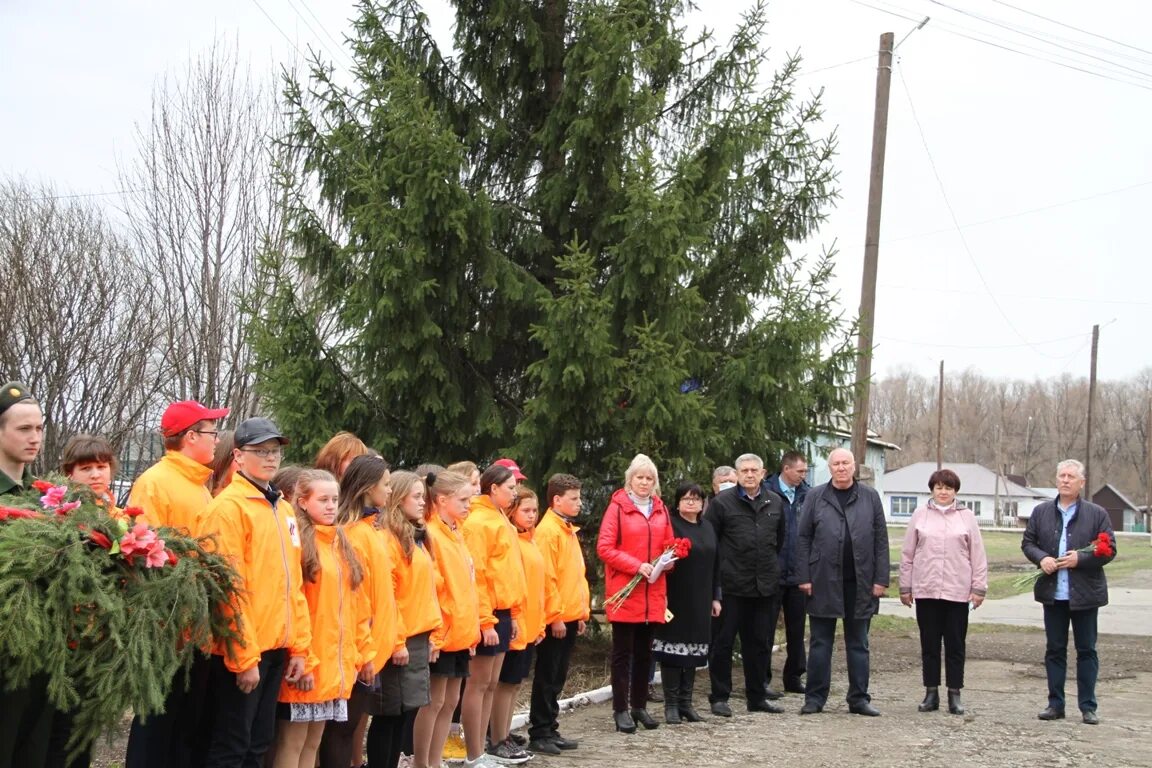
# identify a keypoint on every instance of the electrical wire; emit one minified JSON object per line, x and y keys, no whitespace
{"x":956,"y":222}
{"x":284,"y":34}
{"x":1070,"y":26}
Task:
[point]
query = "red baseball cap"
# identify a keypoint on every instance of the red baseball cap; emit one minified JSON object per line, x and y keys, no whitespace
{"x":179,"y":416}
{"x":520,"y":476}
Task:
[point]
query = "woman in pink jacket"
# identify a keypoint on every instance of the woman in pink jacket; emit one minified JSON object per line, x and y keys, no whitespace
{"x":944,"y":569}
{"x":634,"y":531}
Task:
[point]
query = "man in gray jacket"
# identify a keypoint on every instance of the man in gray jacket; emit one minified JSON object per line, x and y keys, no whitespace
{"x":842,"y":566}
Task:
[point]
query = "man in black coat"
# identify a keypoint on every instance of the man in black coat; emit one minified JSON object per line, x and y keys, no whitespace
{"x":791,"y":485}
{"x":842,"y":566}
{"x":749,"y":525}
{"x":1073,"y":586}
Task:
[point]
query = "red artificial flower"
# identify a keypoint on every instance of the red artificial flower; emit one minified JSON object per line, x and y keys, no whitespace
{"x":173,"y":558}
{"x":138,"y":540}
{"x":100,"y":539}
{"x":16,"y":514}
{"x":42,"y":485}
{"x":133,"y":512}
{"x":681,"y":547}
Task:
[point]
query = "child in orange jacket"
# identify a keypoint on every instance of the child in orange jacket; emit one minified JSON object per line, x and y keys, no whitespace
{"x":454,"y":641}
{"x":530,"y":625}
{"x":341,"y":634}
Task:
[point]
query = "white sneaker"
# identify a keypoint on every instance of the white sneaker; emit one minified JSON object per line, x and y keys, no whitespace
{"x":484,"y":761}
{"x":405,"y":761}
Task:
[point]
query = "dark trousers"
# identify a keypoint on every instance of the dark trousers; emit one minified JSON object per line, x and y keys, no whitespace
{"x":336,"y":747}
{"x":631,"y":660}
{"x":1056,"y":619}
{"x":179,"y":735}
{"x":552,"y":658}
{"x":823,"y":633}
{"x":385,"y":736}
{"x":25,"y":724}
{"x":793,"y":604}
{"x":947,"y":621}
{"x":750,"y":618}
{"x":245,"y":722}
{"x":62,"y":727}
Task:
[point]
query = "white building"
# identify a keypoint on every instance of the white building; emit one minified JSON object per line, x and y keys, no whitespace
{"x":828,"y":438}
{"x":906,"y":488}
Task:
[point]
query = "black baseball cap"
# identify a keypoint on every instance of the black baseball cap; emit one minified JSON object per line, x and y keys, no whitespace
{"x":257,"y":430}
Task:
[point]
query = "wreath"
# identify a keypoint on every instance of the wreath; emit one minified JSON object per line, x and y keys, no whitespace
{"x":107,"y":610}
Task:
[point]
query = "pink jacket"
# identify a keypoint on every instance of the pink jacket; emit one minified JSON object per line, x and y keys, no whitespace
{"x":943,"y":556}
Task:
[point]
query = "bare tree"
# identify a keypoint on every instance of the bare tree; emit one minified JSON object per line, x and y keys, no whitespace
{"x":203,"y":207}
{"x":81,"y":326}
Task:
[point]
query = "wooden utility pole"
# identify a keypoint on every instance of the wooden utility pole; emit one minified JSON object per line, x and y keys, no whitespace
{"x":871,"y":252}
{"x":940,"y":421}
{"x":996,"y":490}
{"x":1091,"y":412}
{"x":1148,"y":497}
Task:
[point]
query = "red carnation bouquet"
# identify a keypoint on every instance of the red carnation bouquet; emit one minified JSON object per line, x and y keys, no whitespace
{"x":677,"y":551}
{"x":1101,"y":546}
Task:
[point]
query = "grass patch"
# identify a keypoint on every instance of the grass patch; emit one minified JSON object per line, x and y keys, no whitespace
{"x":1006,"y":562}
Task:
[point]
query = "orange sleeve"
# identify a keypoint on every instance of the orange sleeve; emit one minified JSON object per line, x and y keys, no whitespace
{"x":553,"y":600}
{"x":301,"y":642}
{"x":230,"y":525}
{"x":477,"y":537}
{"x":146,"y":495}
{"x":365,"y":648}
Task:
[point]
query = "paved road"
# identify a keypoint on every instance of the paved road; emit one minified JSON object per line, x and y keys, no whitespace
{"x":1129,"y":611}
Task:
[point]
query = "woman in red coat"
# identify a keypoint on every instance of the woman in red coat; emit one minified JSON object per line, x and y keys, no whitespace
{"x":634,"y":532}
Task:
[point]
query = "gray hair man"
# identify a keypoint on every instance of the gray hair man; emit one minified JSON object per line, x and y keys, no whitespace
{"x":1065,"y":539}
{"x":842,"y":566}
{"x":749,"y":524}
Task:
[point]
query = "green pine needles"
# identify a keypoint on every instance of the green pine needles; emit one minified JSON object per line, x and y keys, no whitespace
{"x":107,"y":631}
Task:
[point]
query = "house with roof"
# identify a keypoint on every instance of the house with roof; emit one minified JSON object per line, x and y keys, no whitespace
{"x":838,"y":434}
{"x":1125,"y":515}
{"x":906,"y":488}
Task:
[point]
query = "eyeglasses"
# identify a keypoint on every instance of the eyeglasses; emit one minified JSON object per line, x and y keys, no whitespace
{"x":213,"y":433}
{"x":693,"y":499}
{"x":265,"y":453}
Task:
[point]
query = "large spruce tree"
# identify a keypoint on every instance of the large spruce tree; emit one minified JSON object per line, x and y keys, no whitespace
{"x":573,"y":237}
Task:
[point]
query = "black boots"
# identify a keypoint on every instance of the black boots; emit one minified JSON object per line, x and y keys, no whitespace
{"x":954,"y":705}
{"x":687,"y":684}
{"x":670,"y":680}
{"x":931,"y":701}
{"x":642,"y":717}
{"x":624,"y":722}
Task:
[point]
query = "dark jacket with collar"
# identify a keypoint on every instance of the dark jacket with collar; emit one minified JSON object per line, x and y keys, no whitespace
{"x":791,"y":526}
{"x":1087,"y":585}
{"x":749,"y":534}
{"x":820,"y":549}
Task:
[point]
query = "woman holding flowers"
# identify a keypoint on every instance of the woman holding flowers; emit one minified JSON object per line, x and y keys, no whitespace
{"x":682,"y":644}
{"x":634,"y":532}
{"x":943,"y":569}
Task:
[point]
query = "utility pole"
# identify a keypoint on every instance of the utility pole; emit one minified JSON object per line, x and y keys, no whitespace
{"x":1091,"y":411}
{"x":996,"y":491}
{"x":1148,"y":497}
{"x":871,"y":252}
{"x":940,"y":421}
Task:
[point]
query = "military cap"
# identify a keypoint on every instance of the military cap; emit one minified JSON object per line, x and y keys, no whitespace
{"x":13,"y":392}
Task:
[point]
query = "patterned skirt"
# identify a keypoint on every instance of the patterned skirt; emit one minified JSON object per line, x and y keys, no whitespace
{"x":676,"y":654}
{"x":313,"y":712}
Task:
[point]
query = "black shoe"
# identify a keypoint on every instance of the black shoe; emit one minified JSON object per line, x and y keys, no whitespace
{"x":654,"y":693}
{"x":795,"y":688}
{"x":672,"y":714}
{"x":811,"y":709}
{"x":764,"y":706}
{"x":624,"y":723}
{"x":721,"y":709}
{"x":1051,"y":713}
{"x":689,"y":714}
{"x":772,"y":695}
{"x":518,"y":739}
{"x":1090,"y":718}
{"x":564,"y":743}
{"x":931,"y":701}
{"x":543,"y":747}
{"x":865,"y":709}
{"x":954,"y":705}
{"x":642,"y":717}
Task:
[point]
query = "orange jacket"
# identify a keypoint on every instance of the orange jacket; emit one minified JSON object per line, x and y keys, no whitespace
{"x":531,"y":619}
{"x":341,"y":634}
{"x":378,"y":597}
{"x":566,"y":596}
{"x":172,"y":492}
{"x":456,"y":589}
{"x":415,"y":588}
{"x":491,"y":538}
{"x":263,"y":543}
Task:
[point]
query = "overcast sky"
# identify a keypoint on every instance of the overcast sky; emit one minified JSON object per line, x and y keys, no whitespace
{"x":1031,"y":227}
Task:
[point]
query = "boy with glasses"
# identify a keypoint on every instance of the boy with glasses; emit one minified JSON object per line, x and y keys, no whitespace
{"x":257,"y":530}
{"x":172,"y":493}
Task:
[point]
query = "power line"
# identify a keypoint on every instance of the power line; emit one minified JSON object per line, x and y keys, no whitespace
{"x":980,"y":346}
{"x":1070,"y":26}
{"x":283,"y":34}
{"x":71,"y":196}
{"x":315,"y":34}
{"x":956,"y":221}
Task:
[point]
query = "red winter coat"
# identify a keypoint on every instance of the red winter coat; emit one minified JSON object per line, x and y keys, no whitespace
{"x":627,"y":541}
